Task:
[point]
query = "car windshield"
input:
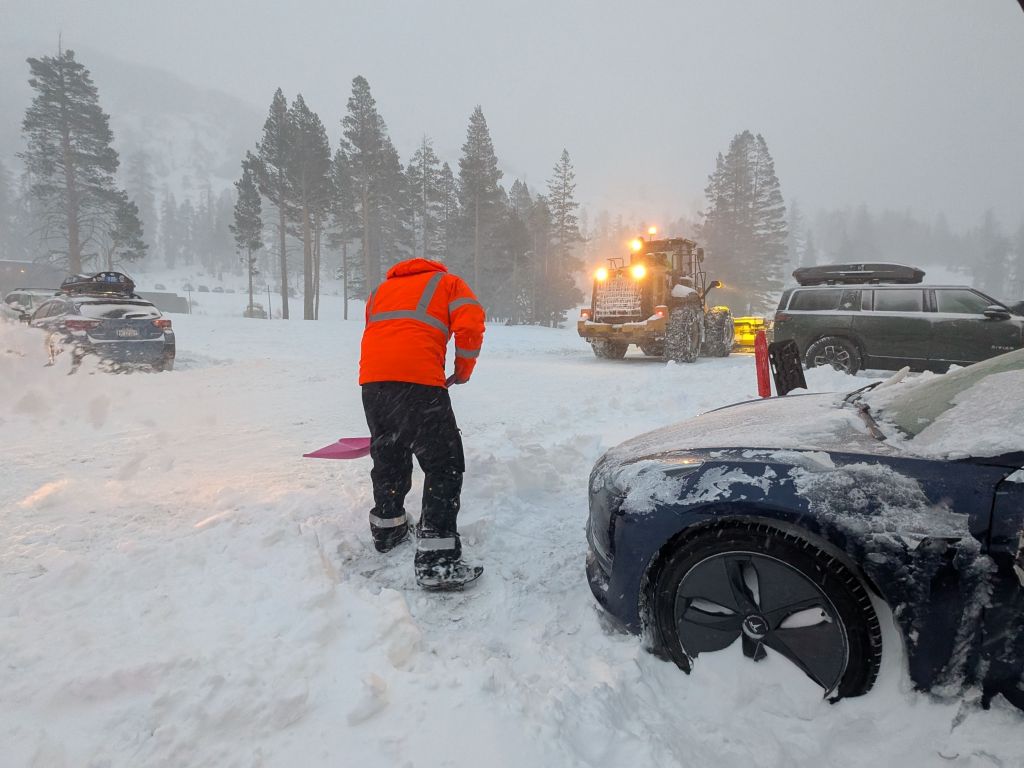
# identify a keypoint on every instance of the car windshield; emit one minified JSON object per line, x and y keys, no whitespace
{"x":119,"y":311}
{"x":973,"y":410}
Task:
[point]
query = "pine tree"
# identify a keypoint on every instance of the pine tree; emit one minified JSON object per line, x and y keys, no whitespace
{"x":744,"y":228}
{"x":170,"y":237}
{"x":247,"y":226}
{"x":366,"y":136}
{"x":448,"y":213}
{"x":188,"y":232}
{"x":796,"y":242}
{"x":423,"y":176}
{"x":345,"y":226}
{"x":138,"y":183}
{"x":123,"y":241}
{"x":274,"y":153}
{"x":7,"y":215}
{"x":991,"y":262}
{"x":69,"y":157}
{"x":479,"y":194}
{"x":562,"y":265}
{"x":309,"y":173}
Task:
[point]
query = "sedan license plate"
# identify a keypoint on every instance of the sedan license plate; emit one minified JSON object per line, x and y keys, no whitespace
{"x":127,"y":333}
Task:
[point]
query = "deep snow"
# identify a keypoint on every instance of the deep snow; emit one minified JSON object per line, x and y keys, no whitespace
{"x":179,"y":587}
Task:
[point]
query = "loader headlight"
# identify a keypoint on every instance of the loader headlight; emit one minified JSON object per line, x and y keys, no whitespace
{"x":638,"y":271}
{"x":601,"y":274}
{"x":637,"y":245}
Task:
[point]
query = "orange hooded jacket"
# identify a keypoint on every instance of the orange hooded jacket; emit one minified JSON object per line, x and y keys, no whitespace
{"x":409,"y":319}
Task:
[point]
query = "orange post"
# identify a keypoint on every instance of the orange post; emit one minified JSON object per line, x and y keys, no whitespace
{"x":764,"y":383}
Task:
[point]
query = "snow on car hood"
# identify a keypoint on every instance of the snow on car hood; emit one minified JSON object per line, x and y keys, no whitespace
{"x":818,"y":422}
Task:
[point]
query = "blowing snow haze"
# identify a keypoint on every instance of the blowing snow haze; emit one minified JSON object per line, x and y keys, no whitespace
{"x":913,"y":105}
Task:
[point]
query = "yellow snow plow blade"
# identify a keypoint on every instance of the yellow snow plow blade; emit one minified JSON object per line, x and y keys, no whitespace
{"x":746,"y":329}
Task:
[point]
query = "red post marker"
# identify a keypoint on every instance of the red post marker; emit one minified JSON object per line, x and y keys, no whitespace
{"x":764,"y":384}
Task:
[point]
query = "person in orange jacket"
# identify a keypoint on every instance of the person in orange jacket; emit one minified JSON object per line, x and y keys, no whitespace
{"x":410,"y":318}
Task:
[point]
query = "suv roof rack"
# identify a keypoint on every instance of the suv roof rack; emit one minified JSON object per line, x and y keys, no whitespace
{"x":104,"y":283}
{"x":853,"y":274}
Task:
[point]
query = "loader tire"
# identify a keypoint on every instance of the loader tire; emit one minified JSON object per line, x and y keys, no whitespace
{"x":609,"y":350}
{"x":682,"y":338}
{"x":718,"y":332}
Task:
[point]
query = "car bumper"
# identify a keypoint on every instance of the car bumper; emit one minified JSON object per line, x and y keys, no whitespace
{"x":148,"y":352}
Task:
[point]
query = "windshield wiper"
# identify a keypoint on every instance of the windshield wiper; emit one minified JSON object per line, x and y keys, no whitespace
{"x":864,"y":411}
{"x":855,"y":395}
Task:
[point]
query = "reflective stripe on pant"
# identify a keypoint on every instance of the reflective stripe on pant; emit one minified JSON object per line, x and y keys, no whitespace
{"x":409,"y":420}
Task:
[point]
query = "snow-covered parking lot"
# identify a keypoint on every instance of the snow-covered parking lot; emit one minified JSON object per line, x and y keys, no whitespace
{"x":178,"y":587}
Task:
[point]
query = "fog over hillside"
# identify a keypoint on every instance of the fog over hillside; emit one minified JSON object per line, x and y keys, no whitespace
{"x":192,"y":135}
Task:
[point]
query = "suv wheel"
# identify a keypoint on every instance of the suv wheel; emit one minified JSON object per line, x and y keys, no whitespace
{"x":777,"y":593}
{"x":842,"y":354}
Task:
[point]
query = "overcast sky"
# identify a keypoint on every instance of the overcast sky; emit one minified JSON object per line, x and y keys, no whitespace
{"x":907,"y":104}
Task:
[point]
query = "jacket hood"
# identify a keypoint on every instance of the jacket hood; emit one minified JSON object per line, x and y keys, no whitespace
{"x":415,"y":267}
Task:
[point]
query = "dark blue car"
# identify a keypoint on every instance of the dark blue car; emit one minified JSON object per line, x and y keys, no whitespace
{"x":101,"y":315}
{"x":784,"y":524}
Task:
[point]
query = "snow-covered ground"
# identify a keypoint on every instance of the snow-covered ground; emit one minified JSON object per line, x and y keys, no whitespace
{"x":178,"y":587}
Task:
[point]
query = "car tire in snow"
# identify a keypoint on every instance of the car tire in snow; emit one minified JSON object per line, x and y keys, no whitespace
{"x":609,"y":350}
{"x":718,"y":332}
{"x":842,"y":354}
{"x":775,"y":591}
{"x":682,"y":338}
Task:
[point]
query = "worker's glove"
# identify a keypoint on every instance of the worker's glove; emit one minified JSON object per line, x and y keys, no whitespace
{"x":454,"y":379}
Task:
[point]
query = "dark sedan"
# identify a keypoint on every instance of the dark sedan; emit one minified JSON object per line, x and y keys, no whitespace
{"x":780,"y":524}
{"x":102,"y":316}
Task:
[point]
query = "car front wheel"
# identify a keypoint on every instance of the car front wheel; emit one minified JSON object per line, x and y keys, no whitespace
{"x":776,"y":593}
{"x":842,"y":354}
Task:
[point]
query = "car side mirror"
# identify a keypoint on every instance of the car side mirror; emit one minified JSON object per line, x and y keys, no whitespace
{"x":995,"y":312}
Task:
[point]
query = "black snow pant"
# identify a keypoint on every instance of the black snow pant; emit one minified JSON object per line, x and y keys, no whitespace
{"x":409,"y":420}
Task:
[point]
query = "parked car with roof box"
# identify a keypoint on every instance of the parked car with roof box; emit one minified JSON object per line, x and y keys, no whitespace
{"x":854,"y":316}
{"x":103,"y":316}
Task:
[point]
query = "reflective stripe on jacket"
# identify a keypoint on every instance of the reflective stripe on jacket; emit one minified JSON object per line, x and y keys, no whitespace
{"x":409,"y":320}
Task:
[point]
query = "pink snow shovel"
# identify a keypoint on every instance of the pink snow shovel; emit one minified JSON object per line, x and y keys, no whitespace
{"x":346,"y":448}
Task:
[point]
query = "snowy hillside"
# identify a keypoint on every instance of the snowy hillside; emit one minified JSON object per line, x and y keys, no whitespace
{"x":180,"y":588}
{"x":193,"y":135}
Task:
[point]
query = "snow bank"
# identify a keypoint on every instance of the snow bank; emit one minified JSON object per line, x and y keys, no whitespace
{"x":178,"y":587}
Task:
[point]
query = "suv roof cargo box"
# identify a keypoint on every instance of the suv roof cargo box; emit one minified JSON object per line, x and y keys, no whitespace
{"x":847,"y":274}
{"x":102,"y":282}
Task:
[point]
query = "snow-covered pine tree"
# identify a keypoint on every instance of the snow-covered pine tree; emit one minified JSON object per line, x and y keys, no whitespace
{"x":744,"y":229}
{"x":796,"y":240}
{"x":561,"y":266}
{"x":480,"y":198}
{"x":309,"y":174}
{"x":69,"y":158}
{"x":247,"y":226}
{"x":274,"y":151}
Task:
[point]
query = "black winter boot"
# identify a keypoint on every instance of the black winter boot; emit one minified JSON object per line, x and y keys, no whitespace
{"x":388,"y":533}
